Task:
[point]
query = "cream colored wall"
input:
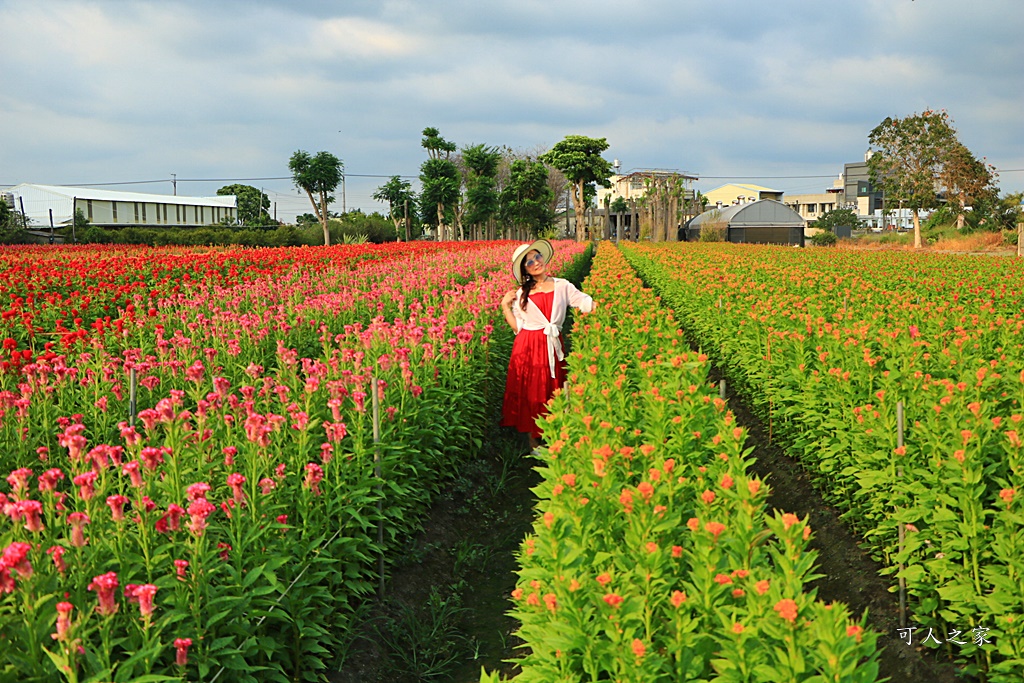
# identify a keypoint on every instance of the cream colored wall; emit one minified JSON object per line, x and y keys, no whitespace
{"x":812,"y":206}
{"x":730,"y":194}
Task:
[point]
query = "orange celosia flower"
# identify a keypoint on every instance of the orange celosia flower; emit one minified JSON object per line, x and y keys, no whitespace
{"x":551,"y":601}
{"x":737,"y":628}
{"x":762,"y":586}
{"x":855,"y":631}
{"x":789,"y":519}
{"x":638,"y":648}
{"x":613,"y":600}
{"x":787,"y":609}
{"x":708,"y":496}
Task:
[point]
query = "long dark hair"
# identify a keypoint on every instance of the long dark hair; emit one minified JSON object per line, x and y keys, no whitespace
{"x":528,"y":283}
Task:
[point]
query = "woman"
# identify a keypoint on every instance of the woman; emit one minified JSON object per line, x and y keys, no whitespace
{"x":536,"y":312}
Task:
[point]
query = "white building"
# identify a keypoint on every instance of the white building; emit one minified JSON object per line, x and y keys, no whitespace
{"x":116,"y":209}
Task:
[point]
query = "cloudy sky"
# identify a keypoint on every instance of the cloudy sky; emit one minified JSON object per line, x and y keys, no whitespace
{"x":777,"y":93}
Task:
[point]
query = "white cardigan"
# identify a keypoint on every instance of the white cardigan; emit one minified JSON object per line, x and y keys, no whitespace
{"x":532,"y":318}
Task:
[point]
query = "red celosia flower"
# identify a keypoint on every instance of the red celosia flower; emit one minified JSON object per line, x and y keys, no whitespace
{"x":855,"y":631}
{"x":613,"y":600}
{"x":180,"y":566}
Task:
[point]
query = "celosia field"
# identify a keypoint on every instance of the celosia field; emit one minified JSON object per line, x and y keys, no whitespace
{"x":195,"y":489}
{"x":824,"y":344}
{"x":227,"y":528}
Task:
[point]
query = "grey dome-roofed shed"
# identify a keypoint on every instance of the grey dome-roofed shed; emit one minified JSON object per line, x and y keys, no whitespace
{"x":765,"y":221}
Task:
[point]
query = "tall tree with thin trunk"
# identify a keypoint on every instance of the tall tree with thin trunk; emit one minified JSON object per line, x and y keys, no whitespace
{"x":481,"y":163}
{"x":579,"y":158}
{"x":907,"y":159}
{"x":439,"y":177}
{"x":398,"y":195}
{"x":319,"y":176}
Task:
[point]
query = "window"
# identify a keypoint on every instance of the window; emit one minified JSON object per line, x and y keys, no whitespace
{"x":812,"y":208}
{"x":165,"y":214}
{"x":143,"y":212}
{"x":136,"y":211}
{"x":88,"y":208}
{"x":202,"y":214}
{"x":113,"y":208}
{"x":177,"y":214}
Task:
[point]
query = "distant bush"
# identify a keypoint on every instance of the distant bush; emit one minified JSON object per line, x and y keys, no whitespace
{"x":282,"y":236}
{"x":824,"y":238}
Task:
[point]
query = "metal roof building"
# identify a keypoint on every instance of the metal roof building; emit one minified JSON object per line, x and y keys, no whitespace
{"x":113,"y":208}
{"x":762,"y":222}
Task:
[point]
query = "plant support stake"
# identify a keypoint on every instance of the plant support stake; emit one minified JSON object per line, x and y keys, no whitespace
{"x":901,"y":529}
{"x":131,"y":396}
{"x":721,"y":389}
{"x":380,"y":488}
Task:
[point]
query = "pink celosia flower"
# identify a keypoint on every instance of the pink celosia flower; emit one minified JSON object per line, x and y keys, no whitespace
{"x":181,"y":646}
{"x":15,"y":557}
{"x":48,"y":479}
{"x":199,"y":510}
{"x":31,"y":511}
{"x":180,"y":566}
{"x":63,"y":621}
{"x":145,"y":594}
{"x":268,"y":485}
{"x":229,"y":455}
{"x":105,"y":585}
{"x":57,"y":553}
{"x":197,"y":491}
{"x":86,"y":483}
{"x":77,"y":520}
{"x":116,"y":503}
{"x":132,"y":470}
{"x":18,"y":479}
{"x":235,"y":481}
{"x":314,"y":475}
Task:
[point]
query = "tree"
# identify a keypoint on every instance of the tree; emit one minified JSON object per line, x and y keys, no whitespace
{"x":966,"y":181}
{"x":439,"y":177}
{"x":907,"y":160}
{"x":481,"y":163}
{"x":837,"y":217}
{"x":252,"y":205}
{"x":525,"y":201}
{"x":579,"y":158}
{"x":399,"y":195}
{"x":319,"y":176}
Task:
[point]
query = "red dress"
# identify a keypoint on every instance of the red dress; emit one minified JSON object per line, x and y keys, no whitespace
{"x":529,"y":384}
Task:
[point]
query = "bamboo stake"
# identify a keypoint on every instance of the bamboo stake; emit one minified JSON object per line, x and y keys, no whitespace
{"x":901,"y":529}
{"x":131,"y":396}
{"x":380,"y":489}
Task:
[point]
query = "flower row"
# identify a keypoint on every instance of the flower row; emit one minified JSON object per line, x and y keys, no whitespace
{"x":652,"y":557}
{"x":825,"y":346}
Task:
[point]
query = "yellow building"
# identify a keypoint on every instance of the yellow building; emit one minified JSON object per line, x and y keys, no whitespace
{"x":740,"y":193}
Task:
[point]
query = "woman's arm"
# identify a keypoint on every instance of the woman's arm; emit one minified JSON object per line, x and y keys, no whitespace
{"x":578,"y":299}
{"x":506,"y":310}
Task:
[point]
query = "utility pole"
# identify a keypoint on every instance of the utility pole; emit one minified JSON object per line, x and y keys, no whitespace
{"x":174,"y":183}
{"x":344,"y":208}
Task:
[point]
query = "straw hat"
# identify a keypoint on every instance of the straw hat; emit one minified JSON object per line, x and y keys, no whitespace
{"x":543,"y":246}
